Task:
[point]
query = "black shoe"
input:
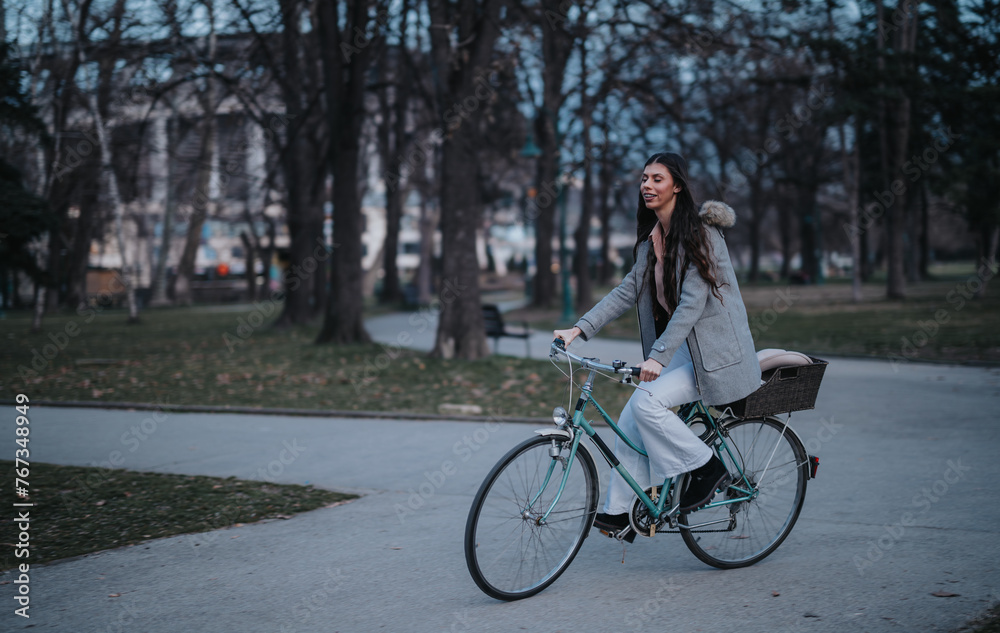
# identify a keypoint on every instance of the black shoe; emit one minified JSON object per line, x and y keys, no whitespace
{"x":614,"y":524}
{"x":702,"y":484}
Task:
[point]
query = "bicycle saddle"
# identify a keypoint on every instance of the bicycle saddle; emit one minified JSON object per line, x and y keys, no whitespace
{"x":774,"y":358}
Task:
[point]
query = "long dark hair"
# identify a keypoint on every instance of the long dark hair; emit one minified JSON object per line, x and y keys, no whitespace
{"x":686,"y":229}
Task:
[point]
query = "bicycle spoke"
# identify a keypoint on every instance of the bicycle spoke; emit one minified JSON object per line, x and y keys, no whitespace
{"x":511,"y":554}
{"x":774,"y":473}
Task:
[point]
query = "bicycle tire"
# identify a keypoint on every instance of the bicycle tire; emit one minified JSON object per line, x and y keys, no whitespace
{"x":745,"y":533}
{"x":509,"y":555}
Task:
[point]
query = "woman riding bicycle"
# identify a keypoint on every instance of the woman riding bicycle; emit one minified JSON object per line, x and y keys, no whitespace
{"x":695,"y":338}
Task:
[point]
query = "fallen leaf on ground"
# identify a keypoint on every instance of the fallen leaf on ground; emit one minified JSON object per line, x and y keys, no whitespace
{"x":775,"y":594}
{"x":941,"y":593}
{"x":114,"y":595}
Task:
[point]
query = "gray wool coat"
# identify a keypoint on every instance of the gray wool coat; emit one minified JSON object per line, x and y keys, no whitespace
{"x":717,"y":332}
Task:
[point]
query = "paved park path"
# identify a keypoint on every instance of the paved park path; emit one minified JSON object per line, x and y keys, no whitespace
{"x":902,"y":508}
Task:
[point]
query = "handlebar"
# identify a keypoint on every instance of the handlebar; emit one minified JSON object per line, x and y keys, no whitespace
{"x":559,"y":347}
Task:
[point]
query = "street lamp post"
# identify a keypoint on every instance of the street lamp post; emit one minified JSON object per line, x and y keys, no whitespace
{"x":530,"y":151}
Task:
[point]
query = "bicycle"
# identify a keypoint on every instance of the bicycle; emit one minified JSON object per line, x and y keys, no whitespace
{"x":537,"y":505}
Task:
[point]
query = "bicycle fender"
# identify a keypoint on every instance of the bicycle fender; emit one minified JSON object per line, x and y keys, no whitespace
{"x":790,"y":431}
{"x":556,"y":431}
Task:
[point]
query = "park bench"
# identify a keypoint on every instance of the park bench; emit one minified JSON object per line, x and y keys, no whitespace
{"x":495,"y":328}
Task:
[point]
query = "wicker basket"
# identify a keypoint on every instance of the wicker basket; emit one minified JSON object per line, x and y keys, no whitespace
{"x":785,"y":389}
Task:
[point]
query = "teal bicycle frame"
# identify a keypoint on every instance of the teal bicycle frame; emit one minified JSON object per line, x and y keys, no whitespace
{"x":657,"y":508}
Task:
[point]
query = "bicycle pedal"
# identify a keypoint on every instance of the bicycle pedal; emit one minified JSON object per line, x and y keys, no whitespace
{"x":625,"y":534}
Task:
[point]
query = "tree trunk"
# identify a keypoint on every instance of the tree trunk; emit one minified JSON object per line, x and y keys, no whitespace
{"x":864,"y":245}
{"x":345,"y":90}
{"x":392,"y":291}
{"x":925,"y":242}
{"x":39,"y":312}
{"x":542,"y":212}
{"x":199,"y":211}
{"x":895,"y":216}
{"x":5,"y":287}
{"x":852,"y":180}
{"x":461,"y":332}
{"x":461,"y":49}
{"x":557,"y":45}
{"x":913,"y":237}
{"x":988,"y":263}
{"x":83,"y":234}
{"x":425,"y":269}
{"x":785,"y":232}
{"x":203,"y":193}
{"x":755,"y":181}
{"x":305,"y":233}
{"x":320,"y":254}
{"x":581,"y":263}
{"x":267,"y":254}
{"x":392,"y":141}
{"x":756,"y":214}
{"x":56,"y":187}
{"x":607,"y":174}
{"x":251,"y":264}
{"x":304,"y":173}
{"x":343,"y":322}
{"x":581,"y":258}
{"x":807,"y":232}
{"x":895,"y":142}
{"x":164,"y":136}
{"x":117,"y":207}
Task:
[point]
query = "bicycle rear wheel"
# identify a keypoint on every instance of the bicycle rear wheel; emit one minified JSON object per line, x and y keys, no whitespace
{"x":772,"y":487}
{"x":509,"y":554}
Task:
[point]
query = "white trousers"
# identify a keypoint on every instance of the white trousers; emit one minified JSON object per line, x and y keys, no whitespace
{"x":672,"y":447}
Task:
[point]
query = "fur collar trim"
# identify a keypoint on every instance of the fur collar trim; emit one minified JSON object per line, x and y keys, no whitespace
{"x":717,"y":213}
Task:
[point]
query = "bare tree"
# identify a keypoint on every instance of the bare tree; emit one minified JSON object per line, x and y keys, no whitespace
{"x":894,"y":134}
{"x":557,"y":46}
{"x":203,"y":198}
{"x":109,"y":176}
{"x":462,"y":39}
{"x":164,"y":134}
{"x":581,"y":259}
{"x":393,"y":139}
{"x":345,"y":72}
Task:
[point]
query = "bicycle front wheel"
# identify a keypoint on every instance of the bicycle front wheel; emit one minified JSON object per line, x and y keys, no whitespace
{"x":510,"y":552}
{"x":770,"y":471}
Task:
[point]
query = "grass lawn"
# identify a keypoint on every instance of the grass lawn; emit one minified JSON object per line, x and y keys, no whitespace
{"x":935,"y":322}
{"x":80,"y":510}
{"x":988,"y":623}
{"x":194,"y":356}
{"x":183,"y":356}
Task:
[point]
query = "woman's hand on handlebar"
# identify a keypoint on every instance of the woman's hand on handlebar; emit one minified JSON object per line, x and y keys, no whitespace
{"x":649,"y":370}
{"x":568,"y":335}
